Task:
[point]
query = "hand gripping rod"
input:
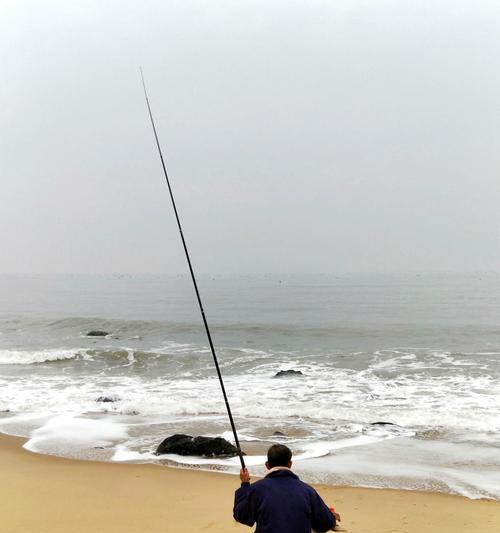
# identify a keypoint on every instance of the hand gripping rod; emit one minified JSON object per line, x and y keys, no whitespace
{"x":212,"y":349}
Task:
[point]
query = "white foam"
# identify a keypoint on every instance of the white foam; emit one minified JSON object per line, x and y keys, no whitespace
{"x":20,"y":425}
{"x":26,"y":357}
{"x":419,"y":467}
{"x":325,"y":447}
{"x":324,"y":394}
{"x":77,"y":432}
{"x":122,"y":454}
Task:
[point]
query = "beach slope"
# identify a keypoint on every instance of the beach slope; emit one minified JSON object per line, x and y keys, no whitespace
{"x":45,"y":494}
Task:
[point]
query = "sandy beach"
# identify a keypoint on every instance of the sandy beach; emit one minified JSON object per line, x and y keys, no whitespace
{"x":48,"y":494}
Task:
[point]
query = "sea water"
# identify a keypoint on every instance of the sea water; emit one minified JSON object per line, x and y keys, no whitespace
{"x":400,"y":383}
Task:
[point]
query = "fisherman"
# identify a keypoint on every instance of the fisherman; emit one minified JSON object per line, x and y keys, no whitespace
{"x":281,"y":502}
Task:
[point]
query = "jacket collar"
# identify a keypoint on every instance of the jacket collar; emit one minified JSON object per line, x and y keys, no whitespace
{"x":281,"y":471}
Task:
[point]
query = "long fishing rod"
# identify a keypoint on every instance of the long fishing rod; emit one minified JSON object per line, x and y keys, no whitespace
{"x":207,"y":329}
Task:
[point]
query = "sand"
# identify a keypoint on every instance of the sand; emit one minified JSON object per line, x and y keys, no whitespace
{"x":48,"y":494}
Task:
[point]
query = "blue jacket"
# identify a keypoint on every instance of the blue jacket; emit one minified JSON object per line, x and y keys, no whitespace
{"x":281,"y":503}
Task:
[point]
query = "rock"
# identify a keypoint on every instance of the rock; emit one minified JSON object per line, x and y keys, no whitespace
{"x":106,"y":399}
{"x":430,"y":434}
{"x":288,"y":373}
{"x":204,"y":446}
{"x":97,"y":333}
{"x":388,"y":428}
{"x":131,"y":412}
{"x":278,"y":434}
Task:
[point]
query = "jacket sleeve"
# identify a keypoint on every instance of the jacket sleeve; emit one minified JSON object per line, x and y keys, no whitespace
{"x":244,"y":510}
{"x":322,"y":518}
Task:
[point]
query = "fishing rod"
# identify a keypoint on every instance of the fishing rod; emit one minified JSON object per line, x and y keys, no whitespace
{"x":198,"y":297}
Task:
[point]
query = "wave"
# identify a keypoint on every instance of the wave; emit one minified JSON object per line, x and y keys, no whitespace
{"x":29,"y":357}
{"x":188,"y":353}
{"x":130,"y":355}
{"x":126,"y":328}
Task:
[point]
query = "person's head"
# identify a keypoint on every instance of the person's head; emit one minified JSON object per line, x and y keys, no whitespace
{"x":279,"y":455}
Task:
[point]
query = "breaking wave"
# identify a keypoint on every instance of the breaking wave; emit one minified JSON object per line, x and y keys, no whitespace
{"x":29,"y":357}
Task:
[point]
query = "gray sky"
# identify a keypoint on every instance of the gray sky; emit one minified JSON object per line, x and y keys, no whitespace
{"x":300,"y":136}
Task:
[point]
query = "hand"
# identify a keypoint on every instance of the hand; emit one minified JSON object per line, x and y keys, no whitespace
{"x":244,"y":475}
{"x":337,"y":517}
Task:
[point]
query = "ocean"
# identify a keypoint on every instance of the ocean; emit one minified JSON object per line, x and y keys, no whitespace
{"x":400,"y":383}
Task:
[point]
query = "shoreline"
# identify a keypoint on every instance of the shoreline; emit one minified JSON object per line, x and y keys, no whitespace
{"x":44,"y":493}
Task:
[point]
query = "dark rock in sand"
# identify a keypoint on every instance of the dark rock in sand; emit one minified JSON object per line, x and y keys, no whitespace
{"x":106,"y":399}
{"x":278,"y":434}
{"x":204,"y":446}
{"x":97,"y":333}
{"x":382,"y":424}
{"x":288,"y":373}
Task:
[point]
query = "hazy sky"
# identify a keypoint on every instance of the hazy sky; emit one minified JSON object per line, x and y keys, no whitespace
{"x":300,"y":136}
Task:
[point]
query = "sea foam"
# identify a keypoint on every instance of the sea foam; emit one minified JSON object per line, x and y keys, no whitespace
{"x":77,"y":432}
{"x":29,"y":357}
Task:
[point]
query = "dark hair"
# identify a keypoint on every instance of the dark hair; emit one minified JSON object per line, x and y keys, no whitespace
{"x":279,"y":455}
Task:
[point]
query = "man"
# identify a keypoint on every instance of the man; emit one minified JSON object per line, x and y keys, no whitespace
{"x":281,"y":503}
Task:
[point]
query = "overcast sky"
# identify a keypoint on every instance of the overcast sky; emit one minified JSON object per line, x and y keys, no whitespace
{"x":301,"y":136}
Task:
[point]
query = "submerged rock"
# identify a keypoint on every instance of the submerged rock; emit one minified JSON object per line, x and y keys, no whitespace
{"x":388,"y":428}
{"x":97,"y":333}
{"x":288,"y":373}
{"x":430,"y":434}
{"x":106,"y":399}
{"x":204,"y":446}
{"x":278,"y":434}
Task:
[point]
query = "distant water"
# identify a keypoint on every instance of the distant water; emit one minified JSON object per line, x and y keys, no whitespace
{"x":418,"y":351}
